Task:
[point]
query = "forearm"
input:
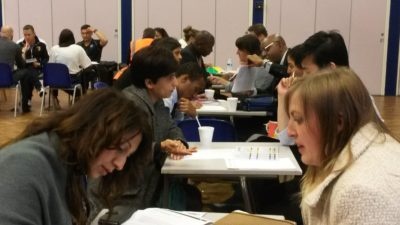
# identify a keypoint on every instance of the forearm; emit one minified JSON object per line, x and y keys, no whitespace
{"x":102,"y":38}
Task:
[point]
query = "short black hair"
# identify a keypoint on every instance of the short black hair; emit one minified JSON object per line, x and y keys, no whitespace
{"x":149,"y":33}
{"x":258,"y":29}
{"x":326,"y":47}
{"x":169,"y":43}
{"x":152,"y":63}
{"x":29,"y":27}
{"x":249,"y":43}
{"x":193,"y":70}
{"x":297,"y":54}
{"x":85,"y":26}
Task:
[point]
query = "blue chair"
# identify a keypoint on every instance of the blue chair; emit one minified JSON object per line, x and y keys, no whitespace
{"x":56,"y":76}
{"x":6,"y":81}
{"x":99,"y":85}
{"x":224,"y":131}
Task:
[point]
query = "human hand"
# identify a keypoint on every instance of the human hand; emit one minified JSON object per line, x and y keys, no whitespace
{"x":186,"y":106}
{"x":284,"y":85}
{"x":180,"y":156}
{"x":176,"y":147}
{"x":254,"y":60}
{"x":218,"y":80}
{"x":36,"y":64}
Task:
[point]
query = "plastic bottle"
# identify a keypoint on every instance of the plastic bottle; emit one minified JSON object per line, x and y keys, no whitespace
{"x":229,"y":65}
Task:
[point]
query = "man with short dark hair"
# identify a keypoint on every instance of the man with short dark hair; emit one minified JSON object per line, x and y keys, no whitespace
{"x":201,"y":47}
{"x":153,"y":77}
{"x":190,"y":82}
{"x":258,"y":30}
{"x":92,"y":47}
{"x":34,"y":52}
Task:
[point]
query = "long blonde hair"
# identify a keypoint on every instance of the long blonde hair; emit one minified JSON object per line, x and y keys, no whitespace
{"x":333,"y":95}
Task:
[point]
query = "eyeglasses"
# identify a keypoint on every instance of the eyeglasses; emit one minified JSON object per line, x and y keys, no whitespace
{"x":268,"y":46}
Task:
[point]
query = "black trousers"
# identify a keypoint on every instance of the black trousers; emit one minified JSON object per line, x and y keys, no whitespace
{"x":29,"y":79}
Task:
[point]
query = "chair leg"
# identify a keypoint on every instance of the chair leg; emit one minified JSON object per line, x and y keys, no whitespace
{"x":4,"y":95}
{"x":16,"y":100}
{"x":43,"y":100}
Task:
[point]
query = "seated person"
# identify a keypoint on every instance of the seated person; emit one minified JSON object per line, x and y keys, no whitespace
{"x":248,"y":45}
{"x":352,"y":174}
{"x":34,"y":52}
{"x":92,"y":47}
{"x":276,"y":58}
{"x":190,"y":82}
{"x":44,"y":170}
{"x":72,"y":55}
{"x":322,"y":50}
{"x":153,"y":78}
{"x":169,"y":43}
{"x":294,"y":58}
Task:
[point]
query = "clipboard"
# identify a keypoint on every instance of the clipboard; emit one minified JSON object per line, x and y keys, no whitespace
{"x":237,"y":218}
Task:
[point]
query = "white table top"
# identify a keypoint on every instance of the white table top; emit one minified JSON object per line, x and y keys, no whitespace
{"x":217,"y":164}
{"x":216,"y":108}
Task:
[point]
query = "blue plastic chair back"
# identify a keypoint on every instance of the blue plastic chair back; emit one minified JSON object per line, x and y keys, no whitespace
{"x":224,"y":131}
{"x":99,"y":85}
{"x":6,"y":79}
{"x":56,"y":75}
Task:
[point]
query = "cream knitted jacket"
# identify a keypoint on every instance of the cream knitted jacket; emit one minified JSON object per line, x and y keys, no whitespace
{"x":368,"y":192}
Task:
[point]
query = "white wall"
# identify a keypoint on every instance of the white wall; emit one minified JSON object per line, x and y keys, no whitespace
{"x":49,"y":17}
{"x":226,"y":21}
{"x":363,"y":24}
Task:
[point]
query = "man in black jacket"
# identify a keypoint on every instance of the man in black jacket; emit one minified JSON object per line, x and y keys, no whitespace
{"x":34,"y":52}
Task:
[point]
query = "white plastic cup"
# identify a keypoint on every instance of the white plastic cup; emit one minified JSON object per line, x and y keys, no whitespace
{"x":209,"y":94}
{"x":232,"y":103}
{"x":206,"y":134}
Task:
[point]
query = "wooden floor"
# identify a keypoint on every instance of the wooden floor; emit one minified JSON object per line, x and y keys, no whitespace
{"x":389,"y":108}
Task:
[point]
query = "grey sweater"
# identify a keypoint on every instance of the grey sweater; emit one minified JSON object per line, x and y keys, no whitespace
{"x":164,"y":127}
{"x":32,"y":183}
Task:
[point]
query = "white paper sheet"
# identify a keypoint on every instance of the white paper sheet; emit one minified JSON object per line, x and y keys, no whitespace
{"x":244,"y":80}
{"x":160,"y":216}
{"x":228,"y":153}
{"x":277,"y":164}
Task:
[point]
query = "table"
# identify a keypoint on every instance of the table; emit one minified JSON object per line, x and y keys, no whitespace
{"x":212,"y":216}
{"x":216,"y":108}
{"x":233,"y":160}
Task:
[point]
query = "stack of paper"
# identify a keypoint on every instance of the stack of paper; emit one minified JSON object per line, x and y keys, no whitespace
{"x":159,"y":216}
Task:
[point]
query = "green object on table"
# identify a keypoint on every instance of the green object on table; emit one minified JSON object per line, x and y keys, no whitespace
{"x":214,"y":70}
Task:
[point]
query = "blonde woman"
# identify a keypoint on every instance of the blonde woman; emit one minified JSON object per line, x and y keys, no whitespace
{"x":353,"y":175}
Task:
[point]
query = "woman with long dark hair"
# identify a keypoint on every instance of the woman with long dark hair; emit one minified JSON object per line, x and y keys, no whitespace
{"x":43,"y":171}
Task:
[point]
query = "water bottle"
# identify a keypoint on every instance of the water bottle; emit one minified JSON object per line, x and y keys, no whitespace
{"x":229,"y":65}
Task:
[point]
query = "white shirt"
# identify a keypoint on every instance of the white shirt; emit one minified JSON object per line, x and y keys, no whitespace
{"x":170,"y":102}
{"x":73,"y":56}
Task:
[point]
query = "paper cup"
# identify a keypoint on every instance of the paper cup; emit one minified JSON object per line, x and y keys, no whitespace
{"x":232,"y":103}
{"x":209,"y":94}
{"x":206,"y":134}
